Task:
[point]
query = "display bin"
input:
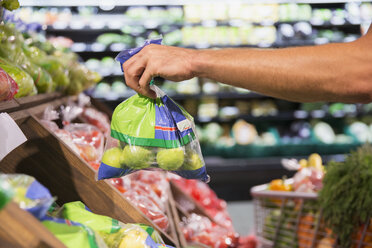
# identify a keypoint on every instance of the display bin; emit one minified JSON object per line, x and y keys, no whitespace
{"x":300,"y":149}
{"x":62,"y":170}
{"x":293,"y":219}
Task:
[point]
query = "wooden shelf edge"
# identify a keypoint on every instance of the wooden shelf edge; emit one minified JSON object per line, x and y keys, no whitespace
{"x":7,"y":106}
{"x":176,"y":191}
{"x":121,"y":205}
{"x":24,"y":230}
{"x":76,"y":179}
{"x":176,"y":219}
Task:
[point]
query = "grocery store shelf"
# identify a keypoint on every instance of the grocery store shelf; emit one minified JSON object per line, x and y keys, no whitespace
{"x":88,"y":52}
{"x":282,"y":116}
{"x":217,"y":164}
{"x":163,"y":2}
{"x":181,"y":97}
{"x":89,"y":29}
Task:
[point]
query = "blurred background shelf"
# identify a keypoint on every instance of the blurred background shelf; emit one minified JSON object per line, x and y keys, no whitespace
{"x":232,"y":178}
{"x":161,"y":2}
{"x":273,"y":129}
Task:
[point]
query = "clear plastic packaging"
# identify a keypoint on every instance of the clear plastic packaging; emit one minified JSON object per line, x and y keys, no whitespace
{"x":29,"y":194}
{"x":199,"y":229}
{"x":207,"y":198}
{"x":6,"y":193}
{"x":114,"y":233}
{"x":85,"y":139}
{"x":149,"y":208}
{"x":151,"y":134}
{"x":8,"y":87}
{"x":24,"y":81}
{"x":89,"y":141}
{"x":96,"y":118}
{"x":73,"y":234}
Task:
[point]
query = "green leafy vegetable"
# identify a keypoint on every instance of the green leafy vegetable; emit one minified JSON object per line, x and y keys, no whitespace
{"x":346,"y":196}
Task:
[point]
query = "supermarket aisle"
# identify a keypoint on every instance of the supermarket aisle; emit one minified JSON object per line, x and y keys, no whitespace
{"x":242,"y":215}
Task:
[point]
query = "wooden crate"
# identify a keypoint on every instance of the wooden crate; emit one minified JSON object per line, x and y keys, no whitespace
{"x":48,"y":159}
{"x":184,"y":206}
{"x":23,"y":230}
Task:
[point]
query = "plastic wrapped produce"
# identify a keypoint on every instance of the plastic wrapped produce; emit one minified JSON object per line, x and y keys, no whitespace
{"x":6,"y":192}
{"x":96,"y":118}
{"x":73,"y":234}
{"x":29,"y":194}
{"x":309,"y":178}
{"x":57,"y":71}
{"x":200,"y":229}
{"x":148,"y":133}
{"x":16,"y":52}
{"x":208,"y":199}
{"x":89,"y":141}
{"x":42,"y":79}
{"x":114,"y":233}
{"x":8,"y":87}
{"x":149,"y":208}
{"x":157,"y":181}
{"x":22,"y":78}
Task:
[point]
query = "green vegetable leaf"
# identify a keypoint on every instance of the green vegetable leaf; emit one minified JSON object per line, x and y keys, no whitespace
{"x":345,"y":197}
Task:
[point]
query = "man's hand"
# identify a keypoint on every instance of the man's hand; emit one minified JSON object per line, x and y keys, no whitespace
{"x":171,"y":63}
{"x":332,"y":72}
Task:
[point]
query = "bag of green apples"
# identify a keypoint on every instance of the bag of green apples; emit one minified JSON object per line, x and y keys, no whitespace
{"x":151,"y":134}
{"x":114,"y":233}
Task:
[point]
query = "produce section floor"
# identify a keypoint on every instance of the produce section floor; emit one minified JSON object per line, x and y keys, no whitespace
{"x":242,"y":215}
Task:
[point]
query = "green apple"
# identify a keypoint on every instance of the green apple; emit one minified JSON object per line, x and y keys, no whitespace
{"x":20,"y":197}
{"x":134,"y":239}
{"x":111,"y":157}
{"x":170,"y":159}
{"x":136,"y":157}
{"x":192,"y":161}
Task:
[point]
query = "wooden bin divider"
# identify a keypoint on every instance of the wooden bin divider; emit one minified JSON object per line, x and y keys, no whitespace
{"x":182,"y":197}
{"x":55,"y":165}
{"x":24,"y":230}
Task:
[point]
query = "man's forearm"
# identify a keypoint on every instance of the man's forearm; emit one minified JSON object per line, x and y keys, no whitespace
{"x":334,"y":72}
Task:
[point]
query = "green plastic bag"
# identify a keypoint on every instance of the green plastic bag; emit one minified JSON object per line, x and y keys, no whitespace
{"x":29,"y":194}
{"x":73,"y":234}
{"x":58,"y":72}
{"x":6,"y":193}
{"x":22,"y":78}
{"x":114,"y":233}
{"x":151,"y":134}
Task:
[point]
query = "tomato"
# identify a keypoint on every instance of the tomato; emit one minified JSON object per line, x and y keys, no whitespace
{"x":94,"y":164}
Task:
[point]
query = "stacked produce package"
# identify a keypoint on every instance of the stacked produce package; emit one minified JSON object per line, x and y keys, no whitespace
{"x":148,"y":191}
{"x":74,"y":224}
{"x":86,"y":139}
{"x":37,"y":66}
{"x":216,"y":232}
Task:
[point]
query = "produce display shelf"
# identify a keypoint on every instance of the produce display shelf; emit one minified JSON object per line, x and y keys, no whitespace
{"x":89,"y":53}
{"x":23,"y":230}
{"x":164,"y":2}
{"x":62,"y":171}
{"x":157,"y":23}
{"x":182,"y":97}
{"x":282,"y":116}
{"x":218,"y":164}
